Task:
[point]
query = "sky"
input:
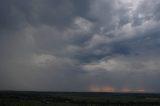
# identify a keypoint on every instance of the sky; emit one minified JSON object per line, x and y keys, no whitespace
{"x":80,"y":45}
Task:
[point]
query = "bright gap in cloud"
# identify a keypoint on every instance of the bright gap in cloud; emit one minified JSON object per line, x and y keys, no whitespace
{"x":132,"y":5}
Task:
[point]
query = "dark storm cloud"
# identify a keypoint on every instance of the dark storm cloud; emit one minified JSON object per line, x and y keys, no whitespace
{"x":57,"y":13}
{"x":76,"y":45}
{"x":29,"y":35}
{"x":132,"y":45}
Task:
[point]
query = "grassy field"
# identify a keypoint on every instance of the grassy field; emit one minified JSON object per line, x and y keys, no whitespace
{"x":77,"y":99}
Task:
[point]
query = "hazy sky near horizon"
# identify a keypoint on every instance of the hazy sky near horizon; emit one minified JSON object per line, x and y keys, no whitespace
{"x":80,"y":45}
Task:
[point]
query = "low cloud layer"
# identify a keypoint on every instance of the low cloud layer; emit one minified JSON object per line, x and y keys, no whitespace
{"x":80,"y":45}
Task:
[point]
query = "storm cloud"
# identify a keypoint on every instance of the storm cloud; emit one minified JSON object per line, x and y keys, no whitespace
{"x":80,"y":45}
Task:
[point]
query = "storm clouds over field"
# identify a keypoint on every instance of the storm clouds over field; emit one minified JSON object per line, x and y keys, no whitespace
{"x":80,"y":45}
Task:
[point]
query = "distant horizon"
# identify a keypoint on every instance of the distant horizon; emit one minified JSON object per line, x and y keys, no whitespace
{"x":80,"y":92}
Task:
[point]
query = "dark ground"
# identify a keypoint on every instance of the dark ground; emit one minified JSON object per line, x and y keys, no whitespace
{"x":14,"y":98}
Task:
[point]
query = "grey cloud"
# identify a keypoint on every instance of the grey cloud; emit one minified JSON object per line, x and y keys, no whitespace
{"x":150,"y":9}
{"x":36,"y":12}
{"x":71,"y":45}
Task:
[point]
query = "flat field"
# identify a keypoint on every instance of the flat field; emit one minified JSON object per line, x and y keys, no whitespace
{"x":15,"y":98}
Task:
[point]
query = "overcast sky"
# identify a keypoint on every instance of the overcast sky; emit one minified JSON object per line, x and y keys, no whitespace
{"x":80,"y":45}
